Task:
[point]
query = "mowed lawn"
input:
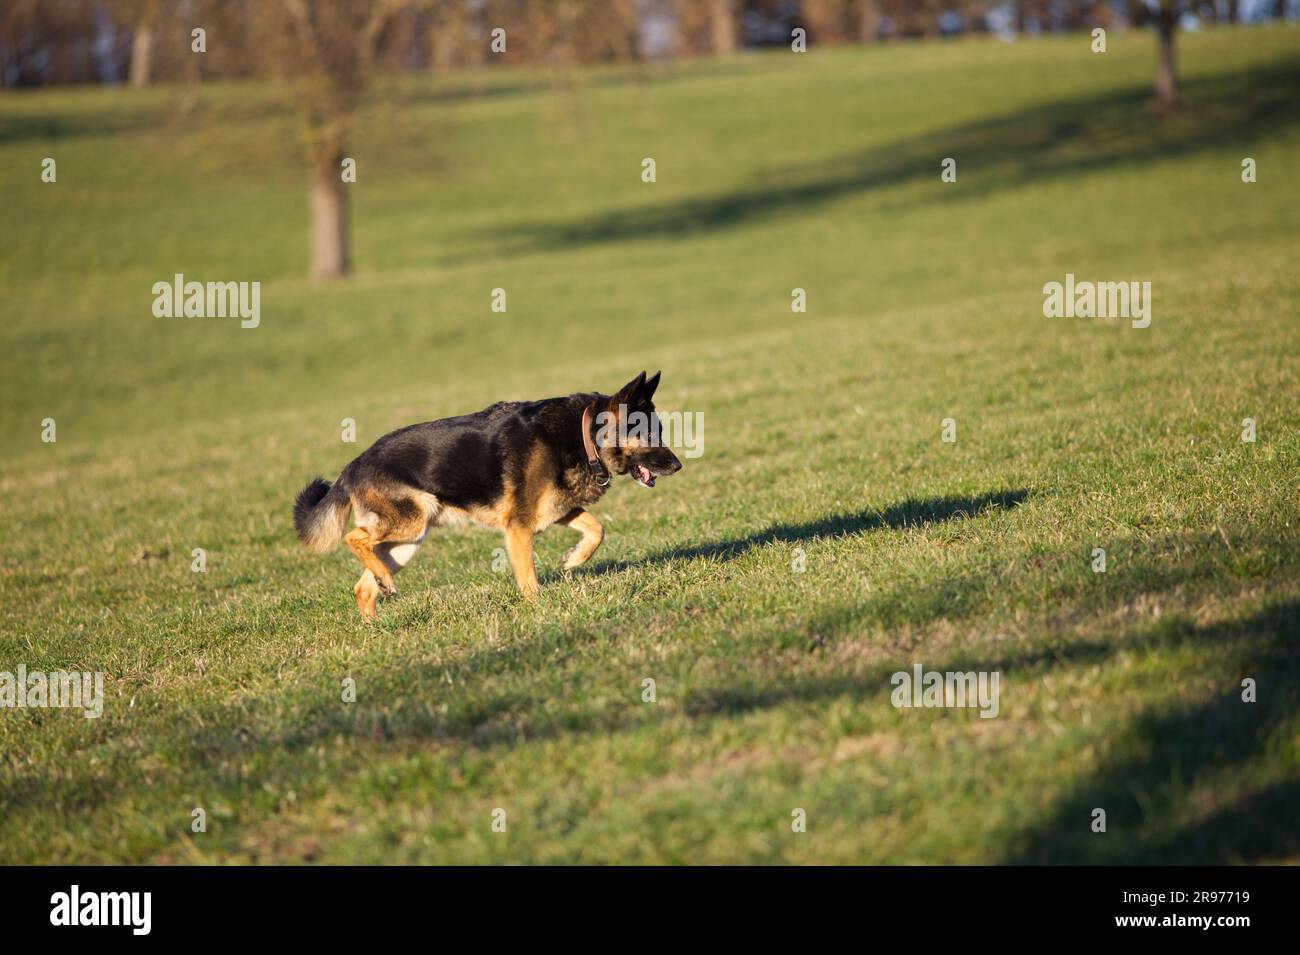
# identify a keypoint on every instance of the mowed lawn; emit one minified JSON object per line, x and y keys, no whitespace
{"x":1120,"y":690}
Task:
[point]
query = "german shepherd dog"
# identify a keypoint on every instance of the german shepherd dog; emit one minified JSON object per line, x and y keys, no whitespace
{"x":520,"y":466}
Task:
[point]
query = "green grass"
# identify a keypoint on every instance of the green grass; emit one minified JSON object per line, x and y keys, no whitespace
{"x":1119,"y":690}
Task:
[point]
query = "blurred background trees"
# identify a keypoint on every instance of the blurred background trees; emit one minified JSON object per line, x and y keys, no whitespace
{"x":327,"y":51}
{"x":47,"y":42}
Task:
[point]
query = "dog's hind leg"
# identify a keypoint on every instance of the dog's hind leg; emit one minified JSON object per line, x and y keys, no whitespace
{"x":362,"y":541}
{"x":388,"y":533}
{"x":592,"y":534}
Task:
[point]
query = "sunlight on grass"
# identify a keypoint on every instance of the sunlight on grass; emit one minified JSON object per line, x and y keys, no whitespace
{"x":1121,"y":689}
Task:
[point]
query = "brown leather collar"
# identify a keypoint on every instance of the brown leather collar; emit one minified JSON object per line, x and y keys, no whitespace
{"x":594,"y":465}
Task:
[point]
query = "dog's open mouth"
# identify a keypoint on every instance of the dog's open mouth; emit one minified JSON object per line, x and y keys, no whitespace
{"x":643,"y":475}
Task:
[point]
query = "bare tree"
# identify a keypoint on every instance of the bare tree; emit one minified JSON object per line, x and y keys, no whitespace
{"x":144,"y":17}
{"x":330,"y":48}
{"x":722,"y":26}
{"x":448,"y":34}
{"x":868,"y":20}
{"x":1166,"y":70}
{"x":844,"y":21}
{"x":1165,"y":18}
{"x":46,"y":41}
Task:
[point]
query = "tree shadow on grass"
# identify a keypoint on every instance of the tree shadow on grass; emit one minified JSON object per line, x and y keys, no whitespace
{"x":1163,"y":754}
{"x":1048,"y":142}
{"x":80,"y":124}
{"x":914,"y":512}
{"x":1166,"y":753}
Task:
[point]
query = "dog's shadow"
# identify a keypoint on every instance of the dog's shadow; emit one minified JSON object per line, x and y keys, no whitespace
{"x":914,"y":512}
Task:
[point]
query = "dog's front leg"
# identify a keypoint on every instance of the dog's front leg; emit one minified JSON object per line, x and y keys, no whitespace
{"x":592,"y":534}
{"x":519,"y":547}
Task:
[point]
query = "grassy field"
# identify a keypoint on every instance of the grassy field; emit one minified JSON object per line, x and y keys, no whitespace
{"x":1120,"y":690}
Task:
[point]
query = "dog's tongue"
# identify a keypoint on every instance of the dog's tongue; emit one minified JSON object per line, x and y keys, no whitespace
{"x":644,"y":476}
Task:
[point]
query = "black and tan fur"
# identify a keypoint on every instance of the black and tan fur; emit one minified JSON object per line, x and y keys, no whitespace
{"x":519,"y":466}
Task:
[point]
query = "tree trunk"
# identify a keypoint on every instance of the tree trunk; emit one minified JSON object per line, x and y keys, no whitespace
{"x":142,"y":55}
{"x":1233,"y":10}
{"x":722,"y":27}
{"x":443,"y":53}
{"x":1166,"y":74}
{"x":448,"y":36}
{"x":868,"y":20}
{"x":928,"y":15}
{"x":329,"y":220}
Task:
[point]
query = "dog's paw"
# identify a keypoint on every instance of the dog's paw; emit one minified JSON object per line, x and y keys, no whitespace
{"x":387,"y":587}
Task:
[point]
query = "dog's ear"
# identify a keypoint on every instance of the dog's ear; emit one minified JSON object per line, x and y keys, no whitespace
{"x":628,"y":394}
{"x":651,"y":384}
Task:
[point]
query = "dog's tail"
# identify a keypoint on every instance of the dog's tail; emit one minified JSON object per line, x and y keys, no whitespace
{"x":319,"y":514}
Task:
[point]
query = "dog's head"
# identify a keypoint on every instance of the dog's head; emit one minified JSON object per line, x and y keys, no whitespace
{"x":630,"y":440}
